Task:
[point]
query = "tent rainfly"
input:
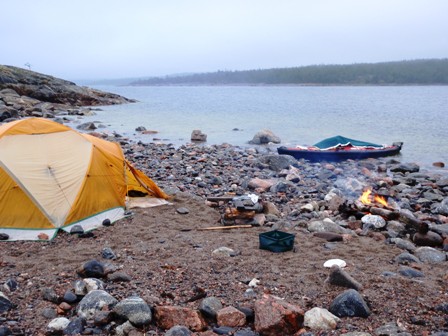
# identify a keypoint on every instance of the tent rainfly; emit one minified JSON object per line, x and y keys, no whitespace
{"x":53,"y":177}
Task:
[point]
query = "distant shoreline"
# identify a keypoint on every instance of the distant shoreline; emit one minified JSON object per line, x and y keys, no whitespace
{"x":284,"y":85}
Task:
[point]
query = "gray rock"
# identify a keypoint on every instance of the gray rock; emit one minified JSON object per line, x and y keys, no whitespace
{"x":405,"y":168}
{"x":48,"y":313}
{"x":406,"y":258}
{"x":442,"y":182}
{"x":76,"y":229}
{"x":178,"y":331}
{"x":92,"y":269}
{"x":403,"y":244}
{"x":88,"y":126}
{"x":391,"y":329}
{"x":125,"y":329}
{"x":264,"y":137}
{"x":198,"y":136}
{"x":388,"y":274}
{"x":245,"y":332}
{"x":441,"y":229}
{"x":75,"y":327}
{"x":210,"y":306}
{"x":339,"y":277}
{"x":50,"y":295}
{"x":119,"y":277}
{"x":223,"y":330}
{"x":349,"y":304}
{"x":430,"y":255}
{"x":183,"y":211}
{"x":278,"y":162}
{"x":409,"y":272}
{"x":134,"y":309}
{"x":432,"y":196}
{"x":70,"y":297}
{"x":326,"y":226}
{"x":108,"y":253}
{"x":5,"y":303}
{"x":79,"y":287}
{"x":443,"y":207}
{"x":93,"y":302}
{"x":396,"y":226}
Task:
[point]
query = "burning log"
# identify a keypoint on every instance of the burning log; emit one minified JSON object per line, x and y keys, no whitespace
{"x":369,"y":203}
{"x":233,"y":213}
{"x":349,"y":208}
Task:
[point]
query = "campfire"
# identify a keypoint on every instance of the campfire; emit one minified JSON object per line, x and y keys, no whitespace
{"x":369,"y":203}
{"x":368,"y":199}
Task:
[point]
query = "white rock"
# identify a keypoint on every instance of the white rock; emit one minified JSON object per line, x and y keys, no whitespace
{"x":254,"y":282}
{"x":307,"y":207}
{"x":224,"y":251}
{"x":93,"y":284}
{"x":339,"y":262}
{"x":377,"y":222}
{"x":321,"y":319}
{"x":58,"y":324}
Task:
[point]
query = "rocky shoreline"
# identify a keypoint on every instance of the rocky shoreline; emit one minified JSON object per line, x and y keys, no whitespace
{"x":162,"y":272}
{"x":25,"y":93}
{"x":303,"y":198}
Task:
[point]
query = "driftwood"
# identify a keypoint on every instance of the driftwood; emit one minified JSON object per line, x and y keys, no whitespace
{"x":226,"y":227}
{"x":220,"y":199}
{"x":388,"y":214}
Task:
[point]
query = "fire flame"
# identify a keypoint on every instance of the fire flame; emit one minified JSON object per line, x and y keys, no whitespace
{"x":365,"y":198}
{"x":381,"y":200}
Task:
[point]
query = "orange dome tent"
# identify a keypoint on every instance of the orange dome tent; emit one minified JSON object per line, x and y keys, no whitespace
{"x":53,"y":177}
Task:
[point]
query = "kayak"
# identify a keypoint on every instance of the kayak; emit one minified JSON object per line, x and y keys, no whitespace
{"x":340,"y":148}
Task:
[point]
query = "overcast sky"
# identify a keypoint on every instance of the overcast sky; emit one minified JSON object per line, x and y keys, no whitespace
{"x":102,"y":39}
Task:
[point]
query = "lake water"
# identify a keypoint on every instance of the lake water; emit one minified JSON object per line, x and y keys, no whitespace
{"x":415,"y":115}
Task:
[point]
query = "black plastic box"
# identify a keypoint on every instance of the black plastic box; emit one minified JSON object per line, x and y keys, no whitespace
{"x":276,"y":241}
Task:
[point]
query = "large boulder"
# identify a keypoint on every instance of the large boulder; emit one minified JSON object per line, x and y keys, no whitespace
{"x":264,"y":137}
{"x":277,"y":162}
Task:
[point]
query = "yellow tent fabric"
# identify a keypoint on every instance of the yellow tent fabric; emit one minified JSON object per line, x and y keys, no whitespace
{"x":53,"y":177}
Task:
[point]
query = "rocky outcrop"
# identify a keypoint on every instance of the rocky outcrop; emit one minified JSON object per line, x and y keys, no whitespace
{"x":27,"y":93}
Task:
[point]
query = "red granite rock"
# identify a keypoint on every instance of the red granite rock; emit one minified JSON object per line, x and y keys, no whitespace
{"x":274,"y":316}
{"x":167,"y":317}
{"x":230,"y":317}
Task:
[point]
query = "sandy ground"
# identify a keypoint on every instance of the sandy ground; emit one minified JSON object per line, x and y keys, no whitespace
{"x":169,"y":259}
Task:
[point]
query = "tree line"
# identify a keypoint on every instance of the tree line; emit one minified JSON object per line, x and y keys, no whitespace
{"x":414,"y":72}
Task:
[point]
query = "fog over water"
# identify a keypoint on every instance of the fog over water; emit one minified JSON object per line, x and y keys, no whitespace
{"x":415,"y":115}
{"x":103,"y":39}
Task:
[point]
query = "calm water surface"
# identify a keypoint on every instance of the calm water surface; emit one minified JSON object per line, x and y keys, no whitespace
{"x":415,"y":115}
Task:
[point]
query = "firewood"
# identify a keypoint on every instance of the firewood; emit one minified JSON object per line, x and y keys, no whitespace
{"x":226,"y":227}
{"x":232,"y":213}
{"x":387,"y":214}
